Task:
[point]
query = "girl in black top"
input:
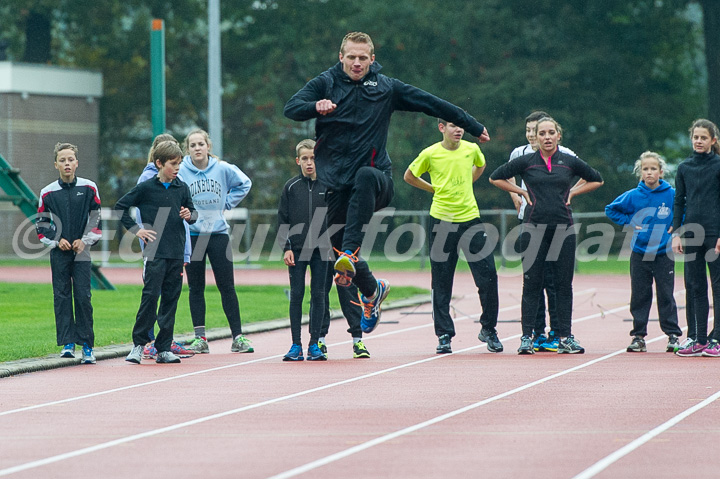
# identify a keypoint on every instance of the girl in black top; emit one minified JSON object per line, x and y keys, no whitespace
{"x":549,"y":175}
{"x":696,"y":216}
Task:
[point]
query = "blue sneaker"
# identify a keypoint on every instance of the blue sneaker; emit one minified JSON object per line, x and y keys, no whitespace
{"x":87,"y":355}
{"x":295,"y":353}
{"x":345,"y":267}
{"x":68,"y":351}
{"x":538,"y":342}
{"x":552,"y":342}
{"x":314,"y":353}
{"x":371,"y":307}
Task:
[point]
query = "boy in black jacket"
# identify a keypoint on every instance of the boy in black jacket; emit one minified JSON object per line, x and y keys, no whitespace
{"x":301,"y":198}
{"x":68,"y":218}
{"x":164,"y":203}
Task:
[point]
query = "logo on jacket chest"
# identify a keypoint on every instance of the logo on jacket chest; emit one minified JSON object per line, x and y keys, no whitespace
{"x":663,"y":211}
{"x":207,"y":185}
{"x":370,"y":83}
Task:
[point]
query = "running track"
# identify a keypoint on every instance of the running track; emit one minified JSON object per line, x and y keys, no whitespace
{"x":405,"y":413}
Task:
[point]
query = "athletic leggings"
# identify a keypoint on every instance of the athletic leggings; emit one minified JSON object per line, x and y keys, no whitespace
{"x":216,"y":248}
{"x":540,"y":251}
{"x":318,"y":271}
{"x":696,"y":283}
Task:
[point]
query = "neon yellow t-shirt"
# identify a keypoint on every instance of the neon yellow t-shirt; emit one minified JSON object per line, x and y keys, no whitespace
{"x":451,"y":176}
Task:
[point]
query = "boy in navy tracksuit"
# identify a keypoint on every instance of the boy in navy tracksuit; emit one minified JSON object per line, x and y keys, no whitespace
{"x":300,"y":200}
{"x":68,"y":218}
{"x":164,"y":202}
{"x":648,"y":208}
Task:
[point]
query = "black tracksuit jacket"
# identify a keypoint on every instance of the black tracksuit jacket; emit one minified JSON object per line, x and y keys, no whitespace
{"x":70,"y":211}
{"x":548,"y":190}
{"x":299,"y":200}
{"x":697,"y":193}
{"x":355,"y":134}
{"x":160,"y":210}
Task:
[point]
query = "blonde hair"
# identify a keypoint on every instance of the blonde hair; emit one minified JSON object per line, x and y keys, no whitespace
{"x":197,"y":131}
{"x":159,"y":139}
{"x":64,"y":146}
{"x":357,"y":37}
{"x":711,"y":128}
{"x":644,"y":156}
{"x":554,"y":122}
{"x":306,"y":144}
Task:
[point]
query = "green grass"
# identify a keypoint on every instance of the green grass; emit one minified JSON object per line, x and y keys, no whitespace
{"x":28,"y":316}
{"x":380,"y":263}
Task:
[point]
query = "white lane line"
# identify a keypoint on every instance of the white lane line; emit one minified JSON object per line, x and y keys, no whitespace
{"x":155,"y":432}
{"x":624,"y":451}
{"x":219,"y":368}
{"x":402,"y":432}
{"x":612,"y":458}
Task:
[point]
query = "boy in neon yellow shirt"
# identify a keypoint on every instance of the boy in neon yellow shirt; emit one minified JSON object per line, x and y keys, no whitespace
{"x":454,"y":165}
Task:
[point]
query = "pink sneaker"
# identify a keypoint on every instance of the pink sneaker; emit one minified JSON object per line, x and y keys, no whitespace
{"x":693,"y":349}
{"x":713,"y":350}
{"x":149,"y":352}
{"x":180,"y":351}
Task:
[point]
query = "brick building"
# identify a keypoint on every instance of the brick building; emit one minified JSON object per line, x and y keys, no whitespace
{"x":39,"y":106}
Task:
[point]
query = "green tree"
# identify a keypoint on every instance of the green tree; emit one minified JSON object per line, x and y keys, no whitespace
{"x":621,"y":76}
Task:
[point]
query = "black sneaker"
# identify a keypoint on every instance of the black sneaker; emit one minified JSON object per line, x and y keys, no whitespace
{"x":490,"y":337}
{"x":360,"y":351}
{"x":673,"y":344}
{"x":526,"y":345}
{"x":570,"y":346}
{"x":443,"y":346}
{"x":638,"y":345}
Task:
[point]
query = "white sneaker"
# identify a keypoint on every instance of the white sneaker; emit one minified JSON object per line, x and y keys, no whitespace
{"x":135,"y":355}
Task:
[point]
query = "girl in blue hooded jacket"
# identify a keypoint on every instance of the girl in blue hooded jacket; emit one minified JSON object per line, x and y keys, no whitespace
{"x":215,"y":186}
{"x":647,"y":209}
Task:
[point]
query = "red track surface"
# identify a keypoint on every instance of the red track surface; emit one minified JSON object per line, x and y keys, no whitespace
{"x":405,"y":413}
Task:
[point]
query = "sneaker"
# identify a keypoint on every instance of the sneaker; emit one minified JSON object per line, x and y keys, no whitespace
{"x":713,"y":350}
{"x":68,"y":351}
{"x":87,"y":355}
{"x":526,"y":345}
{"x":314,"y":353}
{"x":538,"y":341}
{"x":552,"y":342}
{"x":241,"y":344}
{"x":686,"y":344}
{"x":150,"y":352}
{"x":181,"y":351}
{"x":345,"y":267}
{"x":371,"y":307}
{"x":694,"y":349}
{"x":295,"y":353}
{"x":490,"y":337}
{"x":199,"y":345}
{"x":673,"y":344}
{"x":637,"y":345}
{"x":443,"y":346}
{"x":323,"y":348}
{"x":569,"y":346}
{"x":360,"y":351}
{"x":166,"y":357}
{"x":135,"y":355}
